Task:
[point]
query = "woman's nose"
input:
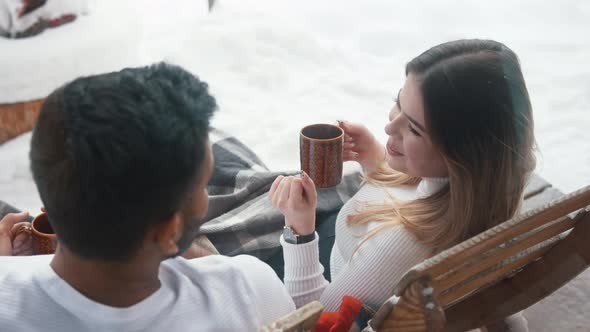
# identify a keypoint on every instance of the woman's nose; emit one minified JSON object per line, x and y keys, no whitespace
{"x":389,"y":128}
{"x":392,"y":125}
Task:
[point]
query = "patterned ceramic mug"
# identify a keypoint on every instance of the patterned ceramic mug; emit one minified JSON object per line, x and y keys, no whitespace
{"x":42,"y":235}
{"x":320,"y":147}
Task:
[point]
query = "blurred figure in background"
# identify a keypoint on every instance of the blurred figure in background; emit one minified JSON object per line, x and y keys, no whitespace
{"x":26,"y":18}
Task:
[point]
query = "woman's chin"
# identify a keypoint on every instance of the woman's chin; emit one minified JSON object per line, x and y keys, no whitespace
{"x":397,"y":164}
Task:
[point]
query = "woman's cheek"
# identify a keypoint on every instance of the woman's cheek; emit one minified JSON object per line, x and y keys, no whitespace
{"x":415,"y":153}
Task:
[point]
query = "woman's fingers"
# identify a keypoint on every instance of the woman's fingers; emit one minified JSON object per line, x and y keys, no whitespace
{"x":296,"y":191}
{"x":287,"y":192}
{"x":274,"y":189}
{"x":351,"y":128}
{"x":350,"y":156}
{"x":275,"y":185}
{"x":309,"y":188}
{"x":283,"y":193}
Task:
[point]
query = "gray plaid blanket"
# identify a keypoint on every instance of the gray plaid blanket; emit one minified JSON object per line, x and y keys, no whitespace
{"x":241,"y":219}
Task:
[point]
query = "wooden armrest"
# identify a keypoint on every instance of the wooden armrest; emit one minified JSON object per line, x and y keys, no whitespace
{"x":302,"y":319}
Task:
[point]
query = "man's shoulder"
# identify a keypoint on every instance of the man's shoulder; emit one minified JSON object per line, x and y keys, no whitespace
{"x":19,"y":287}
{"x":242,"y":266}
{"x":18,"y":274}
{"x":22,"y":265}
{"x":245,"y":275}
{"x":250,"y":283}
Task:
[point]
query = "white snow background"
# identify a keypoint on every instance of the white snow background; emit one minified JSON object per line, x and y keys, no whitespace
{"x":277,"y":65}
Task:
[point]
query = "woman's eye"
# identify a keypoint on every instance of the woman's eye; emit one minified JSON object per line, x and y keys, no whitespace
{"x":413,"y":131}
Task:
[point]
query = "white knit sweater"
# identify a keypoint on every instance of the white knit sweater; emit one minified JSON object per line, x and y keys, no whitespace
{"x":369,"y":273}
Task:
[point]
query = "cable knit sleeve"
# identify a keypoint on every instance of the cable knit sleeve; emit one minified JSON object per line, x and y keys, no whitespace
{"x":304,"y":277}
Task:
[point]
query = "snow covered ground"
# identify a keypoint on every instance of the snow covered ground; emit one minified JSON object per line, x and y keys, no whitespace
{"x":277,"y":65}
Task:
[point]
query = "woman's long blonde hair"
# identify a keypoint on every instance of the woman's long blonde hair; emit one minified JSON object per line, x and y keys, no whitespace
{"x":478,"y":115}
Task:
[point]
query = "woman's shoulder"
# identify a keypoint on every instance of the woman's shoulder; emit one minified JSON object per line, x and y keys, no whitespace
{"x":376,"y":192}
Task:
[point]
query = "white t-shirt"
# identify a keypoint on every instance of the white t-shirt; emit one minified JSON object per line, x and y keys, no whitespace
{"x":213,"y":293}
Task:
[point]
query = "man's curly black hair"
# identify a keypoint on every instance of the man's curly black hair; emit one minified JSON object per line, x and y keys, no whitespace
{"x":116,"y":153}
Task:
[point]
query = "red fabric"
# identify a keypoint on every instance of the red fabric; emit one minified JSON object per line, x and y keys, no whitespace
{"x":61,"y":20}
{"x":342,"y":320}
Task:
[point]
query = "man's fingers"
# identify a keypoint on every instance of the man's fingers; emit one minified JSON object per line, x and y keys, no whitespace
{"x":22,"y":244}
{"x":17,"y":217}
{"x":20,"y":240}
{"x":17,"y":226}
{"x":11,"y":219}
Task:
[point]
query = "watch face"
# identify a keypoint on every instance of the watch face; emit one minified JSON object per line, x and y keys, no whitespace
{"x":289,"y":235}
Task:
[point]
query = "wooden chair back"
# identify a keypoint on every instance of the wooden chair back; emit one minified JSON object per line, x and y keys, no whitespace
{"x":494,"y":274}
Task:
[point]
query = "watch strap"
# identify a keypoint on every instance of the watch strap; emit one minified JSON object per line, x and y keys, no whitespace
{"x":305,"y":238}
{"x":292,"y":237}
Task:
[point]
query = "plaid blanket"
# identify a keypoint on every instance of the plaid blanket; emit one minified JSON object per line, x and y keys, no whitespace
{"x":241,"y":219}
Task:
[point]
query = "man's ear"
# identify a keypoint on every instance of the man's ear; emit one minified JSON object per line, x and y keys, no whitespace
{"x":168,"y":233}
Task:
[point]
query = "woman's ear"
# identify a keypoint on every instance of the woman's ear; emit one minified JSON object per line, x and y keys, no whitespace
{"x":168,"y":233}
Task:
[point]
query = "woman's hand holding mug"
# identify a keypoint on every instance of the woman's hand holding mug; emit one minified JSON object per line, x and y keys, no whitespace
{"x":361,"y":146}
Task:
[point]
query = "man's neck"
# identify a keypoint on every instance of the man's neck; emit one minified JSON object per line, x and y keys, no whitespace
{"x":116,"y":284}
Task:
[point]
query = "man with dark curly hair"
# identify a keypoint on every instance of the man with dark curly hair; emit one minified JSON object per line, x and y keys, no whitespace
{"x":121,"y":162}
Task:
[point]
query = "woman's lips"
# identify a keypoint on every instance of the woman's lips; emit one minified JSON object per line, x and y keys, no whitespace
{"x":392,"y":151}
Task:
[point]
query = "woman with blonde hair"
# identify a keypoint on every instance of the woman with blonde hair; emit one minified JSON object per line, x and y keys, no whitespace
{"x":459,"y":153}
